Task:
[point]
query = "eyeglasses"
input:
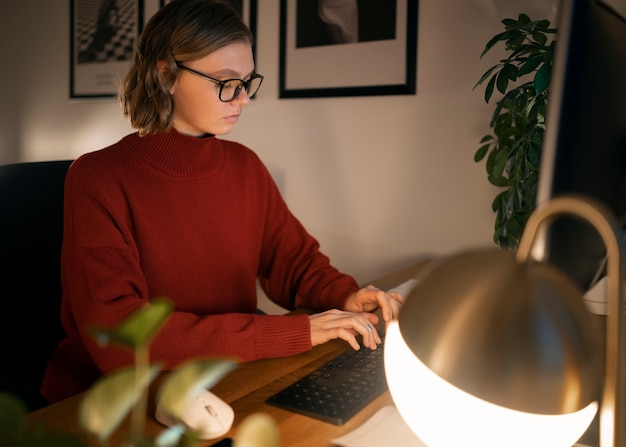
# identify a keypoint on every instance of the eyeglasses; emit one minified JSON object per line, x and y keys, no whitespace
{"x":230,"y":88}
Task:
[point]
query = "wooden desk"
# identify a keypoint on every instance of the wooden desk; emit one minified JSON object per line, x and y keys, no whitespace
{"x":246,"y":389}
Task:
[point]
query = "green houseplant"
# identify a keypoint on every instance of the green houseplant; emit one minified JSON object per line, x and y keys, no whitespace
{"x":512,"y":152}
{"x":116,"y":395}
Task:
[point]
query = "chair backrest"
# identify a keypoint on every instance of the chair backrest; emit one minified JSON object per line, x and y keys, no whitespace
{"x":31,"y":233}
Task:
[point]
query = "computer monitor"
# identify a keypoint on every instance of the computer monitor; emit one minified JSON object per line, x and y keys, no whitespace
{"x":584,"y":149}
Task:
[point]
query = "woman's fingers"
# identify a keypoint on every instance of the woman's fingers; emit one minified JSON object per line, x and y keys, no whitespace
{"x":346,"y":326}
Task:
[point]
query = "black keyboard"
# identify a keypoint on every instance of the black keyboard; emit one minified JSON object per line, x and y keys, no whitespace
{"x":339,"y":389}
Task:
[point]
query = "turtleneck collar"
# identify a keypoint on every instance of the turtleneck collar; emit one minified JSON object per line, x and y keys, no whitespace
{"x":177,"y":154}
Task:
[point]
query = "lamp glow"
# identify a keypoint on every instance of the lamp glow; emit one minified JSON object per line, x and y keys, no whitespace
{"x":443,"y":415}
{"x":493,"y":348}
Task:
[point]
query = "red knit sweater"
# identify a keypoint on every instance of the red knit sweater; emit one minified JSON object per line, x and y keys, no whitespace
{"x":196,"y":220}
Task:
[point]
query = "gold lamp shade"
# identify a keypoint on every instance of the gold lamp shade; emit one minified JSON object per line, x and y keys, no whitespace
{"x":493,"y":348}
{"x":512,"y":333}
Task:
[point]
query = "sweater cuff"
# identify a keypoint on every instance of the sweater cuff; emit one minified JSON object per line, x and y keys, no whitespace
{"x":336,"y":294}
{"x":283,"y":335}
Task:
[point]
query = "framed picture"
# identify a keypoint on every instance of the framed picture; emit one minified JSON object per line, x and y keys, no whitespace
{"x":103,"y":34}
{"x":347,"y":47}
{"x":247,"y":9}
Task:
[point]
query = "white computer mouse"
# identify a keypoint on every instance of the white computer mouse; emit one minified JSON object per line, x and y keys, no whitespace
{"x":209,"y":415}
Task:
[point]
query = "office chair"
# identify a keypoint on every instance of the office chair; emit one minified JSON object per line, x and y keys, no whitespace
{"x":31,"y":232}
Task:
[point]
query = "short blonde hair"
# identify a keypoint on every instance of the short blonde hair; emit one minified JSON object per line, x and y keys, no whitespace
{"x":181,"y":31}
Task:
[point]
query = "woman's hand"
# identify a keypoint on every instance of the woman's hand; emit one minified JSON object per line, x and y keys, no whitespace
{"x":371,"y":298}
{"x":335,"y":323}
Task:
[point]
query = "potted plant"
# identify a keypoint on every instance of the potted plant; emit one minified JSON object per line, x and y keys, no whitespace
{"x":116,"y":395}
{"x":512,"y":152}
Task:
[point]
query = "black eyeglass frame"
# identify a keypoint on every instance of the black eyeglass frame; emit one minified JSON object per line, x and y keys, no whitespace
{"x":242,"y":84}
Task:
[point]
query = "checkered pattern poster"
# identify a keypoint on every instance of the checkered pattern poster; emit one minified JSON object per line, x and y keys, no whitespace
{"x":103,"y":37}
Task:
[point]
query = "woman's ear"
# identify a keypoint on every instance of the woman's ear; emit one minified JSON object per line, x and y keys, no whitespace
{"x":164,"y":72}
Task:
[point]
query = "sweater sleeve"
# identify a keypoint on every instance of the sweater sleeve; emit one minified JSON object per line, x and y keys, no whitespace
{"x":294,"y":272}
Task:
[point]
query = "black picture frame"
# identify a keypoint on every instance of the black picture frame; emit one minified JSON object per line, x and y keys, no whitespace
{"x":248,"y":11}
{"x":379,"y":59}
{"x":103,"y":35}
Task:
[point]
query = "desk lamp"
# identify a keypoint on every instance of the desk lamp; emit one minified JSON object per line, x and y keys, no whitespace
{"x":493,"y":348}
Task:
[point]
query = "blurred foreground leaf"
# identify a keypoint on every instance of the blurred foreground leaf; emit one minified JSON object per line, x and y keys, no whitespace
{"x":139,"y":328}
{"x":15,"y":433}
{"x":106,"y":403}
{"x":12,"y":414}
{"x":257,"y":430}
{"x":184,"y":384}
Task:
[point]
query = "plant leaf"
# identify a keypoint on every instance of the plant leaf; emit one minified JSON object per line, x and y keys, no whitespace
{"x":481,"y":152}
{"x":139,"y":328}
{"x":502,"y":82}
{"x":489,"y":88}
{"x":184,"y":384}
{"x":542,"y":78}
{"x":540,"y":38}
{"x":493,"y":41}
{"x":13,"y":414}
{"x":485,"y":76}
{"x":530,"y":65}
{"x":111,"y":398}
{"x":257,"y":430}
{"x":170,"y":437}
{"x":510,"y":71}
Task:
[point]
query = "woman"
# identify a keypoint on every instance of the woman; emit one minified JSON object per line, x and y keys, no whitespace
{"x":172,"y":210}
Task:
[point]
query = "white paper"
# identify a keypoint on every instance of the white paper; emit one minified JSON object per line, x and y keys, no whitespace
{"x":385,"y":428}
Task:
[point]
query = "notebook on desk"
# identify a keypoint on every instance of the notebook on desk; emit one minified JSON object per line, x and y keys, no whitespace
{"x":386,"y":427}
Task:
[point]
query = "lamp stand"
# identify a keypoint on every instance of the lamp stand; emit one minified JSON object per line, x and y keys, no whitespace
{"x":612,"y":409}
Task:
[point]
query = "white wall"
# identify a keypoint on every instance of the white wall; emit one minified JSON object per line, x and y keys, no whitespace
{"x":378,"y":180}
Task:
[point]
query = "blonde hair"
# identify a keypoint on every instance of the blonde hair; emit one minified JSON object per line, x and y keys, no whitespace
{"x":181,"y":31}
